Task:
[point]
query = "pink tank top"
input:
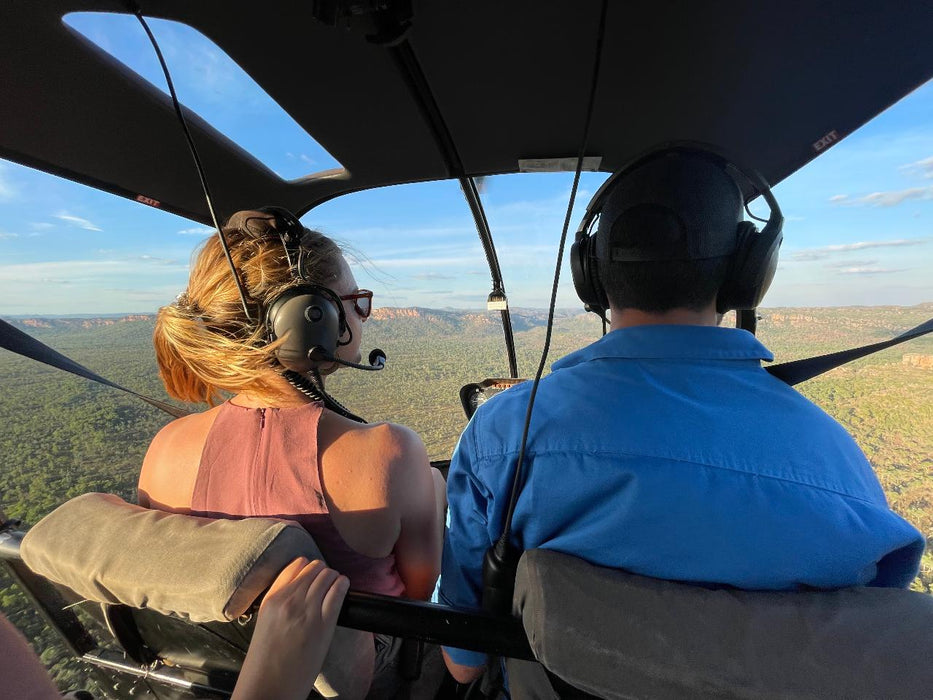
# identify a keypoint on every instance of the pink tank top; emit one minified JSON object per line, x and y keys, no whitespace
{"x":263,"y":462}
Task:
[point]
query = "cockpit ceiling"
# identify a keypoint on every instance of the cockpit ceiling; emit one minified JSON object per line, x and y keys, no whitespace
{"x":772,"y":83}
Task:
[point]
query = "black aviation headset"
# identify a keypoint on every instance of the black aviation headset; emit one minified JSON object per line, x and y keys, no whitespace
{"x":682,"y":191}
{"x":310,"y":317}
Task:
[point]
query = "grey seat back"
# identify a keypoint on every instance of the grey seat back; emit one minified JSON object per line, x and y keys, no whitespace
{"x":190,"y":569}
{"x":617,"y":635}
{"x":110,"y":551}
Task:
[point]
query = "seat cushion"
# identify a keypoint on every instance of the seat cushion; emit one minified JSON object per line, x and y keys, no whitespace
{"x":617,"y":635}
{"x":110,"y":551}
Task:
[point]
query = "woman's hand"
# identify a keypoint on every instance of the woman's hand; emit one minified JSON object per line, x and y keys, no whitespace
{"x":293,"y":632}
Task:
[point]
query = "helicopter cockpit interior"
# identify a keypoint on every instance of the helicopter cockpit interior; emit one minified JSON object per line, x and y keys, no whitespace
{"x":401,"y":92}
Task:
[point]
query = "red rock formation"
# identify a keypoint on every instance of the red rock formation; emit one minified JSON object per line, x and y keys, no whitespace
{"x":915,"y":359}
{"x":384,"y":314}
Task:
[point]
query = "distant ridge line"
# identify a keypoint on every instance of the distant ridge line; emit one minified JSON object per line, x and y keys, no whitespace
{"x":420,"y":312}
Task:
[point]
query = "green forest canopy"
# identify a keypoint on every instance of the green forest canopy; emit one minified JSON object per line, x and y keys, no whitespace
{"x":62,"y":435}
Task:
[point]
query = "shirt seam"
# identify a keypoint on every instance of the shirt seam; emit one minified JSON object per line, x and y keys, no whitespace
{"x":661,"y":358}
{"x":607,"y":453}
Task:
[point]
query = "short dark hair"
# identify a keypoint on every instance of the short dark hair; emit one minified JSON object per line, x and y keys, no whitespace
{"x":660,"y":286}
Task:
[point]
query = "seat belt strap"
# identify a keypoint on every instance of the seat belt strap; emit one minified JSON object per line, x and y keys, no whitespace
{"x":801,"y":370}
{"x":23,"y":344}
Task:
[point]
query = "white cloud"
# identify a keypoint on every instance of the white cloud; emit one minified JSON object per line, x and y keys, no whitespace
{"x":534,"y":251}
{"x":156,"y":260}
{"x":307,"y":159}
{"x":451,"y":255}
{"x":852,"y":263}
{"x":862,"y":245}
{"x":886,"y":199}
{"x":197,"y":231}
{"x":57,"y":271}
{"x":868,"y":271}
{"x":432,"y":276}
{"x":806,"y":256}
{"x":380,"y":234}
{"x":416,"y":262}
{"x":550,"y":207}
{"x":69,"y":271}
{"x":207,"y":68}
{"x":923,"y":168}
{"x":825,"y":251}
{"x":7,"y":191}
{"x":78,"y":221}
{"x":148,"y":295}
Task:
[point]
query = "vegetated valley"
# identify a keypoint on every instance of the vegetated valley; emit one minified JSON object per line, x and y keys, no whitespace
{"x":62,"y":435}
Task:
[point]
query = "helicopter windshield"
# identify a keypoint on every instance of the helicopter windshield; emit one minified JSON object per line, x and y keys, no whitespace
{"x":855,"y":237}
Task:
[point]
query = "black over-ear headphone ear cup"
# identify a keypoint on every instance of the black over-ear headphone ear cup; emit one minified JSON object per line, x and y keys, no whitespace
{"x":310,"y":320}
{"x":578,"y":267}
{"x":583,"y":270}
{"x":752,"y":267}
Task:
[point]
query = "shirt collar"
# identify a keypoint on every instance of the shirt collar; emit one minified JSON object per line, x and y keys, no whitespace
{"x":657,"y":342}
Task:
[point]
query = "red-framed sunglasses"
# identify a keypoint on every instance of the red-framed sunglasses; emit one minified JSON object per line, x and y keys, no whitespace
{"x":362,"y":302}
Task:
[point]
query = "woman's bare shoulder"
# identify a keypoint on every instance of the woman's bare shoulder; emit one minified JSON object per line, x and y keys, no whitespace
{"x":397,"y":436}
{"x":392,"y":443}
{"x":171,"y":462}
{"x":182,"y":432}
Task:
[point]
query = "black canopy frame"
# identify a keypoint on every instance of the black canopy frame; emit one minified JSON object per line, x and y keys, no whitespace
{"x":401,"y":91}
{"x":773,"y":83}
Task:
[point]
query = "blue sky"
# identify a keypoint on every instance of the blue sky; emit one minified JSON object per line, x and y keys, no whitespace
{"x":859,"y":219}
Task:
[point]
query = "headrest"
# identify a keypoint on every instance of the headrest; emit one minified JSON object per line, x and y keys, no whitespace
{"x":618,"y":635}
{"x":109,"y":551}
{"x":675,"y":205}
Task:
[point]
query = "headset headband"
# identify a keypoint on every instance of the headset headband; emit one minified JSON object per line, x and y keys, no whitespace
{"x":289,"y":230}
{"x":693,"y":147}
{"x":753,"y":254}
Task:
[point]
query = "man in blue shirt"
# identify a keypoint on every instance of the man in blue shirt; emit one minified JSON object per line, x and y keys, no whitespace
{"x":665,"y":448}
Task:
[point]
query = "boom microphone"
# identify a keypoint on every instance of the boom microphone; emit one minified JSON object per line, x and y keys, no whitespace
{"x":377,"y":359}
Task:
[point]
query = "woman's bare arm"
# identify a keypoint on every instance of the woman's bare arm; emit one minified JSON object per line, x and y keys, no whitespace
{"x":21,"y":671}
{"x":418,"y":492}
{"x":170,"y":467}
{"x":294,"y":630}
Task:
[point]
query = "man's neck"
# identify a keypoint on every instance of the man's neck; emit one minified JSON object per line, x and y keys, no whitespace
{"x":625,"y":318}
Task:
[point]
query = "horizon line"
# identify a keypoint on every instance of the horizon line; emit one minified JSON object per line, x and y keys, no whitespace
{"x":517,"y":309}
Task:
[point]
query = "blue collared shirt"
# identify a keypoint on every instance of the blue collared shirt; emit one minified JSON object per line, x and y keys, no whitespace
{"x":669,"y":452}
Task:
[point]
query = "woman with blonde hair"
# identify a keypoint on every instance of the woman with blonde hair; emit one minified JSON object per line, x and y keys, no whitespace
{"x":280,"y":446}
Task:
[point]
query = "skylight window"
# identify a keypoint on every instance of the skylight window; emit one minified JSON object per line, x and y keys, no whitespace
{"x":211,"y":84}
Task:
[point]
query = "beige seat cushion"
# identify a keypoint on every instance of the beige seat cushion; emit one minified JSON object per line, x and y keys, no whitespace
{"x":618,"y":635}
{"x":110,"y":551}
